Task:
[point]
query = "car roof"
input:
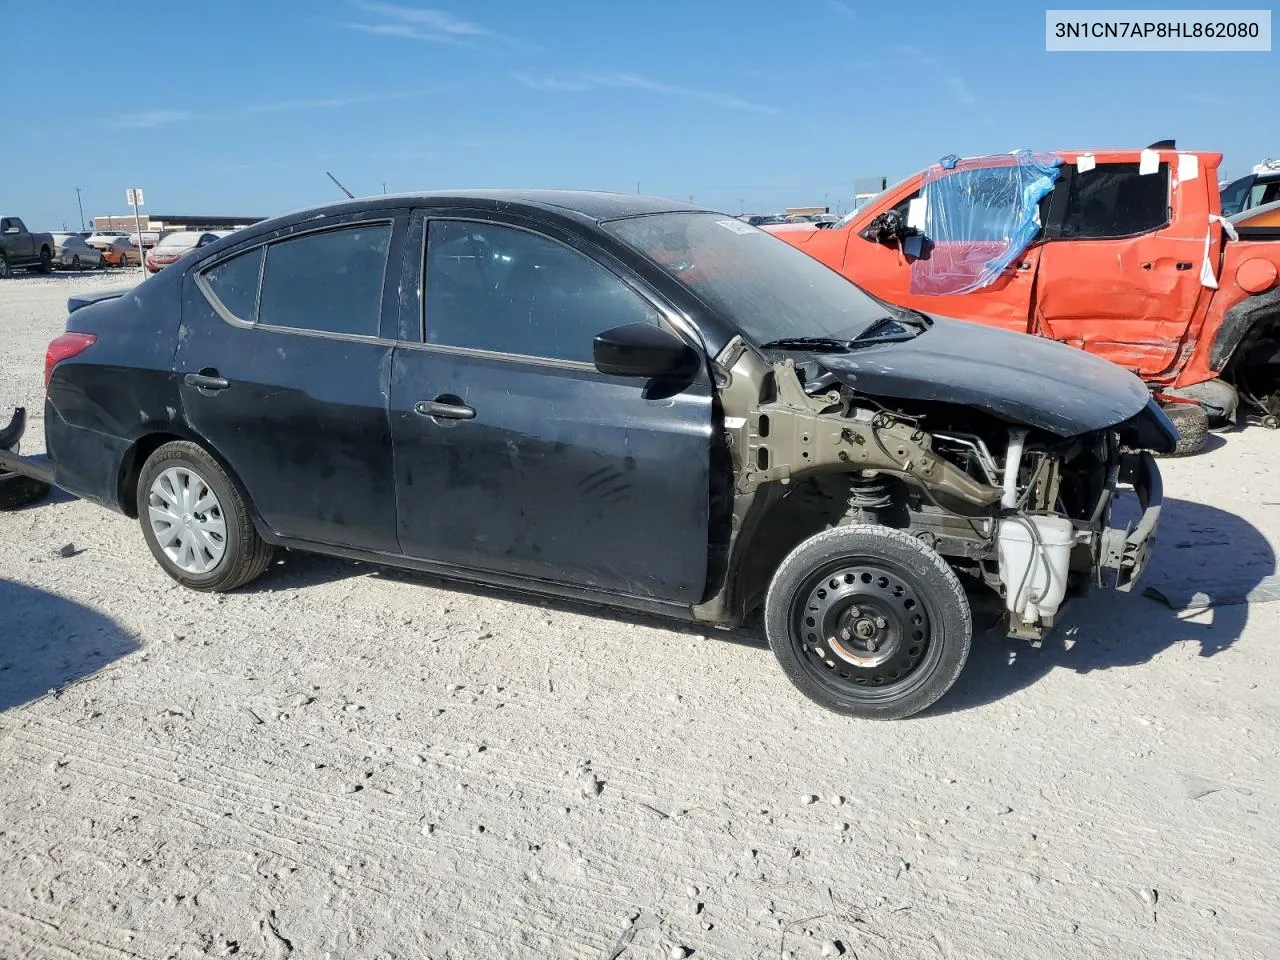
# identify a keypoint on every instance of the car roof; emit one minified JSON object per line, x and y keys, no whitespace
{"x":589,"y":205}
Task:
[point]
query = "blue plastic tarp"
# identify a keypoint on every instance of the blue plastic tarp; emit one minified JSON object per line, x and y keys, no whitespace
{"x":979,"y":215}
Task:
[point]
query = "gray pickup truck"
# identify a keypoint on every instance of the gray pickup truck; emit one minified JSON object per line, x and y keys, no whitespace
{"x":19,"y":247}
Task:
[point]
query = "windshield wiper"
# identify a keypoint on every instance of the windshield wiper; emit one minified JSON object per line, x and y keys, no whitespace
{"x":892,"y":330}
{"x":816,"y":344}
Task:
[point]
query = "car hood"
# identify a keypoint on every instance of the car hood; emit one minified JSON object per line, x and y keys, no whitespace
{"x":1017,"y":377}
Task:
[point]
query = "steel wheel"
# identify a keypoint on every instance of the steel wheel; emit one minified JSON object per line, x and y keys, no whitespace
{"x":187,"y":520}
{"x":864,"y":627}
{"x":868,"y":621}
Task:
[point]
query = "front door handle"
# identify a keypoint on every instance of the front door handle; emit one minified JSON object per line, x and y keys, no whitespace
{"x":444,"y":410}
{"x":206,"y":381}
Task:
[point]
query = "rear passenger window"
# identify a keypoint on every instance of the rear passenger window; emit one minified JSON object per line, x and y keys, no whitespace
{"x":234,"y":283}
{"x":1115,"y":200}
{"x":329,"y":282}
{"x":510,"y":291}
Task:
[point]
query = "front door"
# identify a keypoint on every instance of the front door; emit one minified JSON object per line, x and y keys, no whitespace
{"x":512,"y":453}
{"x":885,"y":269}
{"x":1120,"y":276}
{"x":284,"y":372}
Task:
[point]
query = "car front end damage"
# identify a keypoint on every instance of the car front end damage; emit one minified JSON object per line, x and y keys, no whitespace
{"x":1024,"y":510}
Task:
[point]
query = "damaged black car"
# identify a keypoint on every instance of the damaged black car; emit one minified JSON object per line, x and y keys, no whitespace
{"x":611,"y":398}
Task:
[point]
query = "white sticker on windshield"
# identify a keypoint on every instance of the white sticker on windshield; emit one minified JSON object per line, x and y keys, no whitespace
{"x":737,"y":226}
{"x":916,"y":211}
{"x":1085,"y":162}
{"x":1148,"y":162}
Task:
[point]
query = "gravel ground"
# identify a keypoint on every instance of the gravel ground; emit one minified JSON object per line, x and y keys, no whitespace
{"x":346,"y":761}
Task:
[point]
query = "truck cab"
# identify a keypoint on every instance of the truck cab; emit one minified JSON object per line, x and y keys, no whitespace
{"x":1125,"y":257}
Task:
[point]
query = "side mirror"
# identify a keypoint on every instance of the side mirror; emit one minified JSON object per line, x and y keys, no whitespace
{"x":644,"y":350}
{"x":12,"y":230}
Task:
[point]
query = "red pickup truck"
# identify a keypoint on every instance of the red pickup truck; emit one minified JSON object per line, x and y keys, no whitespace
{"x":1127,"y":258}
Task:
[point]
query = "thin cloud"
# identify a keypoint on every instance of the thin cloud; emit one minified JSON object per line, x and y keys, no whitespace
{"x":158,"y":118}
{"x":618,"y":80}
{"x":150,"y":118}
{"x":842,"y":9}
{"x":433,"y":26}
{"x":953,"y":82}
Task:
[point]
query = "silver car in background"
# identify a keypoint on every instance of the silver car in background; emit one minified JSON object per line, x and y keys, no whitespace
{"x":71,"y":252}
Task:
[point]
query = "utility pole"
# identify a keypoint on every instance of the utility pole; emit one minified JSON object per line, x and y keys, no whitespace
{"x":637,"y":186}
{"x":81,"y":206}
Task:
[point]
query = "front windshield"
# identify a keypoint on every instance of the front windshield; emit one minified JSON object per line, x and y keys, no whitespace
{"x":766,"y":287}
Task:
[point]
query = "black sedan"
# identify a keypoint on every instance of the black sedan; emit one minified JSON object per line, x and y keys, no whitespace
{"x":607,"y":397}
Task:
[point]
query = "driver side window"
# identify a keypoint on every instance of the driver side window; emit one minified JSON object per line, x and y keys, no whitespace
{"x":507,"y":290}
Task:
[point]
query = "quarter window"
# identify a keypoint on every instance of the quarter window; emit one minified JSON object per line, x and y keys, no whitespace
{"x":506,"y":290}
{"x":329,"y":282}
{"x":234,"y":283}
{"x":1115,"y":200}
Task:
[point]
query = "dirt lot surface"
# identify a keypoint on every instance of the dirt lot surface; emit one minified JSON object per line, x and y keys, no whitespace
{"x":344,"y":761}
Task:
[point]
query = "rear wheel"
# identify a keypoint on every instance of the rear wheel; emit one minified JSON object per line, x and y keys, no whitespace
{"x":75,"y":262}
{"x":46,"y":261}
{"x":1193,"y":427}
{"x":196,"y":522}
{"x":868,"y":621}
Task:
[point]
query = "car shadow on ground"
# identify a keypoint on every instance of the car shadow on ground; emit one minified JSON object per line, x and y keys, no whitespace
{"x":1199,"y":549}
{"x":50,"y":641}
{"x":296,"y":570}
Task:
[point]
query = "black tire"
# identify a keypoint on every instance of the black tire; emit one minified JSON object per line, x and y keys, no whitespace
{"x":1193,"y":428}
{"x":75,"y":262}
{"x":908,"y":594}
{"x":46,"y":261}
{"x":17,"y":491}
{"x":5,"y":271}
{"x":245,"y":556}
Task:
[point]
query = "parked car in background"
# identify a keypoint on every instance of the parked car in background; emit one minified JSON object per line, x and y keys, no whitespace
{"x":72,"y":252}
{"x":734,"y":424}
{"x":177,"y":245}
{"x":104,"y":238}
{"x":149,"y":238}
{"x":1259,"y":187}
{"x":121,"y":253}
{"x":1124,"y":256}
{"x":19,"y":247}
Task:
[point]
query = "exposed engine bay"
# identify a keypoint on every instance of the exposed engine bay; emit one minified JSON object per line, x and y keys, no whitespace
{"x":1016,"y":507}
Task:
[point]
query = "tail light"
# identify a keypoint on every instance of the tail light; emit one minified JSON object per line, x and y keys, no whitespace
{"x":64,"y":348}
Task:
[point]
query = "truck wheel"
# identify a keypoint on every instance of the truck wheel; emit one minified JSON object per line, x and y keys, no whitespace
{"x":1193,"y":427}
{"x":196,"y":522}
{"x":18,"y":491}
{"x":5,"y":272}
{"x":868,"y":621}
{"x":75,"y":262}
{"x":46,"y":261}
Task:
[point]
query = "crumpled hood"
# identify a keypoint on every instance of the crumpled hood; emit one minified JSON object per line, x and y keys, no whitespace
{"x":1020,"y":378}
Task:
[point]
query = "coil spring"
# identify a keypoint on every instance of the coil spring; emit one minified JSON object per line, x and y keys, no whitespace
{"x":868,"y":494}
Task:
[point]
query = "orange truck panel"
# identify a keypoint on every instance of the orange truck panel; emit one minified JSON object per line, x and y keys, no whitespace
{"x":1154,"y":301}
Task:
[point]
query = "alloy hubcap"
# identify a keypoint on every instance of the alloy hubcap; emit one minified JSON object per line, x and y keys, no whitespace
{"x":187,"y":520}
{"x":863,"y":624}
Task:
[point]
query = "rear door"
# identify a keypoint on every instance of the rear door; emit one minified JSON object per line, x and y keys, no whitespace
{"x":284,"y":370}
{"x":512,"y":453}
{"x":1120,"y":276}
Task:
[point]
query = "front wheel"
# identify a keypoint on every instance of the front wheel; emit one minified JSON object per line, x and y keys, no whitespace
{"x":1192,"y":422}
{"x":196,"y":522}
{"x":868,"y":621}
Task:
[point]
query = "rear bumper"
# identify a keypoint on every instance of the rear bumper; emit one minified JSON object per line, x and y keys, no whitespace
{"x":1127,"y":551}
{"x":38,"y":468}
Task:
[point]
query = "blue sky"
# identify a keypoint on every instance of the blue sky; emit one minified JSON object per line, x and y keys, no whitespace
{"x":240,"y":108}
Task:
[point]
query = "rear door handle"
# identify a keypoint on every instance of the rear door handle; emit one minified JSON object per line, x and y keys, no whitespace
{"x":444,"y":410}
{"x":205,"y":381}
